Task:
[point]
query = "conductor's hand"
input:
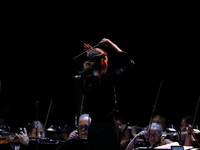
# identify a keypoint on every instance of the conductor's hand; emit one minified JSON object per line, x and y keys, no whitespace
{"x":73,"y":135}
{"x":87,"y":47}
{"x":23,"y":137}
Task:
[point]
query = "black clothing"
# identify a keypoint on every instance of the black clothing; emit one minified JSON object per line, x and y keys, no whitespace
{"x":11,"y":146}
{"x":99,"y":93}
{"x":103,"y":135}
{"x":74,"y":144}
{"x":100,"y":105}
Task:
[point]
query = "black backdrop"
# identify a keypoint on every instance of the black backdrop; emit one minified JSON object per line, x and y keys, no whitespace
{"x":37,"y":65}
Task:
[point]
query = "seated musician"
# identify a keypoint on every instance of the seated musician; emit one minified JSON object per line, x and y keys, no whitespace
{"x":186,"y":120}
{"x":30,"y":130}
{"x":125,"y":135}
{"x":186,"y":136}
{"x":154,"y":135}
{"x":84,"y":122}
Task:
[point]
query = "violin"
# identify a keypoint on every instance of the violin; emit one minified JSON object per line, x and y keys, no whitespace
{"x":191,"y":131}
{"x":12,"y":138}
{"x":9,"y":138}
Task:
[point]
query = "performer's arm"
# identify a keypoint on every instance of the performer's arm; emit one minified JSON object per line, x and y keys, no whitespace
{"x":110,"y":44}
{"x":131,"y":144}
{"x":188,"y":138}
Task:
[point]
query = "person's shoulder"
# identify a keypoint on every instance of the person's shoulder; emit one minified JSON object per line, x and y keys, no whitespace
{"x":85,"y":79}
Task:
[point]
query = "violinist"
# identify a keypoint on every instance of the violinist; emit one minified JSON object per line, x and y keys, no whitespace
{"x":154,"y":135}
{"x":186,"y":136}
{"x":36,"y":125}
{"x":186,"y":120}
{"x":30,"y":131}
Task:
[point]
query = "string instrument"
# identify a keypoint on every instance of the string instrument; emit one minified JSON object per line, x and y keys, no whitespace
{"x":8,"y":138}
{"x":154,"y":106}
{"x":191,"y":131}
{"x":189,"y":128}
{"x":12,"y":138}
{"x":195,"y":131}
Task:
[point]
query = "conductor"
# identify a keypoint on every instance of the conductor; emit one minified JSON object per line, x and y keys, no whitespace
{"x":97,"y":87}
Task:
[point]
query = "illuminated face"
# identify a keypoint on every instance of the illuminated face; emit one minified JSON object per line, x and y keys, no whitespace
{"x":40,"y":132}
{"x":83,"y":123}
{"x":154,"y":136}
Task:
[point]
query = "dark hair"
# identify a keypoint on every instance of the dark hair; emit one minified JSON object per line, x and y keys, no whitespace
{"x":93,"y":61}
{"x":188,"y":119}
{"x":162,"y":118}
{"x":29,"y":127}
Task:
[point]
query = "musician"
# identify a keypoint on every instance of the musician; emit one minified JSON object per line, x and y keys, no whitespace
{"x":31,"y":129}
{"x":185,"y":120}
{"x":154,"y":135}
{"x":124,"y":137}
{"x":81,"y":133}
{"x":84,"y":122}
{"x":186,"y":136}
{"x":97,"y":86}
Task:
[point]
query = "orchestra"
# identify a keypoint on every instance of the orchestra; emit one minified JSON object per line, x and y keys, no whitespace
{"x":98,"y":128}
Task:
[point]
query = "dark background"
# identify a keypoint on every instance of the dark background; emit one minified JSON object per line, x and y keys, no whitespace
{"x":37,"y":64}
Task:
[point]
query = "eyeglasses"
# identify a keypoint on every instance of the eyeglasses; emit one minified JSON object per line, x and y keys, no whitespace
{"x":83,"y":127}
{"x":154,"y":135}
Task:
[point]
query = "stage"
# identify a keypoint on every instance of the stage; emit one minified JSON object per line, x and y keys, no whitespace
{"x":37,"y":65}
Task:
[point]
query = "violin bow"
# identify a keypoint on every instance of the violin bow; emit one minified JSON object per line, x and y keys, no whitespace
{"x":196,"y":112}
{"x":154,"y":106}
{"x":48,"y":114}
{"x":194,"y":122}
{"x":193,"y":135}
